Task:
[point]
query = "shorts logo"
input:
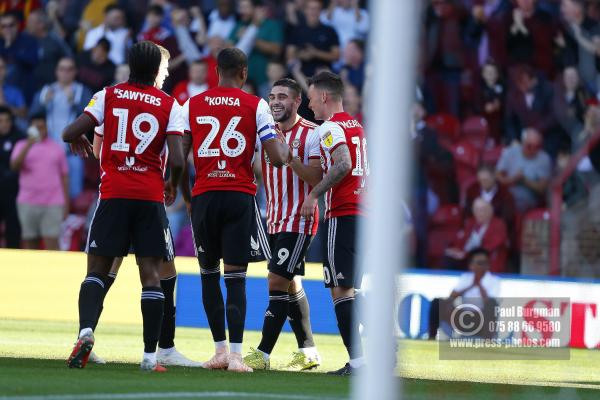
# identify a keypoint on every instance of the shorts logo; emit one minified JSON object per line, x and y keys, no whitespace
{"x":269,"y":314}
{"x":221,"y":164}
{"x":93,"y":244}
{"x":254,"y":244}
{"x":200,"y":249}
{"x":328,"y":139}
{"x":339,"y":276}
{"x":296,"y":143}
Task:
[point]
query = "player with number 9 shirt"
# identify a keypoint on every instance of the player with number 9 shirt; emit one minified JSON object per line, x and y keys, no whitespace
{"x":224,"y":125}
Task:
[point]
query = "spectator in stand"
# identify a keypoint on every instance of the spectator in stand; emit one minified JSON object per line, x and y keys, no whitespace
{"x":221,"y":21}
{"x":531,"y":37}
{"x":314,"y":44}
{"x":569,"y":106}
{"x":114,"y":30}
{"x":195,"y":85}
{"x":275,"y":71}
{"x":51,"y":47}
{"x":258,"y":36}
{"x":11,"y":96}
{"x":22,"y":7}
{"x":153,"y":29}
{"x":121,"y":74}
{"x":9,"y":179}
{"x":20,"y":51}
{"x":353,"y":69}
{"x":43,"y":200}
{"x":488,"y":188}
{"x":353,"y":102}
{"x":529,"y":104}
{"x":444,"y":52}
{"x":490,"y":99}
{"x":482,"y":230}
{"x":214,"y":45}
{"x":294,"y":16}
{"x":578,"y":42}
{"x":96,"y":71}
{"x":433,"y":178}
{"x":574,"y":189}
{"x":348,"y":20}
{"x":62,"y":101}
{"x":526,"y":169}
{"x":487,"y":30}
{"x":478,"y":287}
{"x":185,"y":35}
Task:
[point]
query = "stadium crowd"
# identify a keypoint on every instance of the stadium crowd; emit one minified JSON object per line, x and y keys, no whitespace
{"x":507,"y":91}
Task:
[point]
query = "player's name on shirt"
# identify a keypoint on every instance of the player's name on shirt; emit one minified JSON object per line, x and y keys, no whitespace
{"x":222,"y":101}
{"x":138,"y":96}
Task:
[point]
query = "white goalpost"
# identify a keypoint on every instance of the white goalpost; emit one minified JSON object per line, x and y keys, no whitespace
{"x":389,"y":95}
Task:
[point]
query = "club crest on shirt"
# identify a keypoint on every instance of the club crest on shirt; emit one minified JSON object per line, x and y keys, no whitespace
{"x":296,"y":143}
{"x":328,"y":139}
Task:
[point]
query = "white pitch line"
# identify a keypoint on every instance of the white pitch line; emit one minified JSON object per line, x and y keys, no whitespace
{"x":169,"y":395}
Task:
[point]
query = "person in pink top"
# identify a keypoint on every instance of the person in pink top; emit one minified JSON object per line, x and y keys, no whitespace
{"x":43,"y":201}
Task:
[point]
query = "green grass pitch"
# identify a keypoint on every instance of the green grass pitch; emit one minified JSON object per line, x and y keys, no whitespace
{"x":32,"y":367}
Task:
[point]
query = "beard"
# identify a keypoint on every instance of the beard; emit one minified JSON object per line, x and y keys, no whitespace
{"x":284,"y":116}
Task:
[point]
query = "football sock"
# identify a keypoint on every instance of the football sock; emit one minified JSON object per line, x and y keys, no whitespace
{"x":235,"y":281}
{"x":212,"y":298}
{"x":167,"y":331}
{"x":299,"y":317}
{"x":275,"y":316}
{"x":221,"y":346}
{"x":91,"y":294}
{"x":347,"y":326}
{"x":153,"y":301}
{"x":109,"y":280}
{"x":150,"y":356}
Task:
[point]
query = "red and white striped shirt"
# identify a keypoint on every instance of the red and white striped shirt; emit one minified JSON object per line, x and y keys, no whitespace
{"x":285,"y":190}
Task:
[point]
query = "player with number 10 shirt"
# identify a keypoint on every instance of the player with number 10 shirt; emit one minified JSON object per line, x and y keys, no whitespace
{"x":224,"y":124}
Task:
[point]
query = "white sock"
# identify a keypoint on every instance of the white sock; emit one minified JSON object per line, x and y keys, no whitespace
{"x":221,"y":346}
{"x":265,"y":355}
{"x":308,"y":351}
{"x":357,"y":362}
{"x":86,"y":331}
{"x":150,"y":356}
{"x":236,"y":347}
{"x":167,"y":351}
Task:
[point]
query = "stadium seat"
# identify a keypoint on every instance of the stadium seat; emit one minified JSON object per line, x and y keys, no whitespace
{"x":466,"y":161}
{"x":447,"y":215}
{"x":475,"y":131}
{"x":446,"y":125}
{"x":491,"y":156}
{"x":438,"y":240}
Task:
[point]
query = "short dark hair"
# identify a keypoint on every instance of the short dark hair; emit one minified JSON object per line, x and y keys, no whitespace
{"x":41,"y":114}
{"x":104,"y":43}
{"x":359,"y":43}
{"x":144,"y":60}
{"x":17,"y":15}
{"x":290,"y":84}
{"x":230,"y":61}
{"x":7,"y":110}
{"x":330,"y":82}
{"x":156,"y":10}
{"x":476,"y":252}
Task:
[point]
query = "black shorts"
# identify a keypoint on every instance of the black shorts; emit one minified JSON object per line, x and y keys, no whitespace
{"x":288,"y":250}
{"x":224,"y":227}
{"x":340,"y":267}
{"x":119,"y":224}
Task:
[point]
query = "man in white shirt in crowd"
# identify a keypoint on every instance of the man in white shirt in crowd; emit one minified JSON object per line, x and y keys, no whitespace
{"x":114,"y":30}
{"x":478,"y":287}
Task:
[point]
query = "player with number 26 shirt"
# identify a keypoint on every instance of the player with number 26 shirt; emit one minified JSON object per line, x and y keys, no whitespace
{"x":224,"y":125}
